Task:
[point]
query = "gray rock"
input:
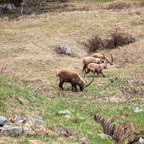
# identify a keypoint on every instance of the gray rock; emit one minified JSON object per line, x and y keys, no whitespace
{"x":38,"y":121}
{"x":22,"y":121}
{"x":112,"y":79}
{"x":84,"y":140}
{"x":5,"y":124}
{"x":104,"y":136}
{"x":2,"y":121}
{"x":64,"y":49}
{"x":12,"y":131}
{"x":141,"y":140}
{"x":32,"y":16}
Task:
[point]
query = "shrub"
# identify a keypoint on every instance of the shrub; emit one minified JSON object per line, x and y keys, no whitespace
{"x":109,"y":41}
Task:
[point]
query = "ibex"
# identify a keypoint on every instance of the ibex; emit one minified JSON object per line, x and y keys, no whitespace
{"x":87,"y":60}
{"x":102,"y":56}
{"x":73,"y":78}
{"x":96,"y":68}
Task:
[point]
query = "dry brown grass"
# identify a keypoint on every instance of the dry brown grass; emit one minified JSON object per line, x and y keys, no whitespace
{"x":28,"y":44}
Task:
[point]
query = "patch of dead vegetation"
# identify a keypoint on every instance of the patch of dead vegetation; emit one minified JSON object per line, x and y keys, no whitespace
{"x":115,"y":99}
{"x":63,"y":131}
{"x":133,"y":87}
{"x":137,"y":23}
{"x":136,"y":81}
{"x":118,"y":132}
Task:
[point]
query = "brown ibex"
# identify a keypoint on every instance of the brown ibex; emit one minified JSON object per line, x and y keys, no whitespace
{"x":87,"y":60}
{"x":73,"y":78}
{"x":102,"y":56}
{"x":96,"y":68}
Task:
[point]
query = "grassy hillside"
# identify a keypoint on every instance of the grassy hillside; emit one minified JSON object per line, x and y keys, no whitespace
{"x":28,"y":58}
{"x":16,"y":100}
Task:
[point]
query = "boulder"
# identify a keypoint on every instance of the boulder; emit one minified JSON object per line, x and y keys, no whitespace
{"x":12,"y":131}
{"x":2,"y":121}
{"x":64,"y":49}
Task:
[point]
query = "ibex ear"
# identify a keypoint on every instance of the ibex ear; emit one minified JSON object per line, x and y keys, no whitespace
{"x":103,"y":60}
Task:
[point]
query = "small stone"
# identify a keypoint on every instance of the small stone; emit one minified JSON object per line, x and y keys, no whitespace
{"x":112,"y":79}
{"x":32,"y":16}
{"x":12,"y":131}
{"x":22,"y":121}
{"x":64,"y":112}
{"x":38,"y":121}
{"x":84,"y":140}
{"x":141,"y":140}
{"x":2,"y":121}
{"x":67,"y":117}
{"x":137,"y":110}
{"x":104,"y":136}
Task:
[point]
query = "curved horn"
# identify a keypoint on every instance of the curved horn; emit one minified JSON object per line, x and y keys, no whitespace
{"x":112,"y":59}
{"x":103,"y":55}
{"x":105,"y":63}
{"x":89,"y":82}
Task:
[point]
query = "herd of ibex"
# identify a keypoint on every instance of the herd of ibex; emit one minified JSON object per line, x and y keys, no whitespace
{"x":94,"y":63}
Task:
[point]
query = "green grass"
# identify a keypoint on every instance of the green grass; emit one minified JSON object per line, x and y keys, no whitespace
{"x":80,"y":104}
{"x":28,"y":46}
{"x":81,"y":123}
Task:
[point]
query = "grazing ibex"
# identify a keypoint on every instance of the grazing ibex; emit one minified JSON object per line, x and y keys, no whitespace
{"x":96,"y":68}
{"x":73,"y":78}
{"x":87,"y":60}
{"x":102,"y":56}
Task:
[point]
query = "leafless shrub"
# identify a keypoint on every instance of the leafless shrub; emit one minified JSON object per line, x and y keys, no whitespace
{"x":118,"y":5}
{"x":94,"y":44}
{"x":121,"y":39}
{"x":109,"y":41}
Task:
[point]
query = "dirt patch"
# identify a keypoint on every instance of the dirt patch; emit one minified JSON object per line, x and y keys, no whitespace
{"x":109,"y":41}
{"x":118,"y":132}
